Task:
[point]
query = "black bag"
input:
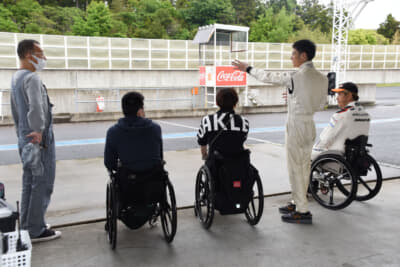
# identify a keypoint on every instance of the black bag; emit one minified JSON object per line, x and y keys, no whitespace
{"x":234,"y":184}
{"x":363,"y":165}
{"x":138,"y":194}
{"x":136,"y":216}
{"x":141,"y":187}
{"x":357,"y":155}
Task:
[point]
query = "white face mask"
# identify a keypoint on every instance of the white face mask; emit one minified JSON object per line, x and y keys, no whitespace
{"x":40,"y":65}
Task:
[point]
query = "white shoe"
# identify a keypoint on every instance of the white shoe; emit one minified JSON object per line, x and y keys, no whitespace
{"x":47,"y":235}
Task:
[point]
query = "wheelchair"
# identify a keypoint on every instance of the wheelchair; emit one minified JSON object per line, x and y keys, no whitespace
{"x":139,"y":197}
{"x":231,"y":185}
{"x":336,"y":179}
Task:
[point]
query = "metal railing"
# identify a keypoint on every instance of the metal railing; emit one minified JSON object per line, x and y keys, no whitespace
{"x":156,"y":97}
{"x":76,"y":52}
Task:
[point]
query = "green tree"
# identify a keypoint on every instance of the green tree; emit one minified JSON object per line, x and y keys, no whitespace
{"x":306,"y":33}
{"x":363,"y":37}
{"x":181,"y":4}
{"x":272,"y":27}
{"x":6,"y":22}
{"x":25,"y":13}
{"x":277,"y":5}
{"x":117,"y":6}
{"x":396,"y":38}
{"x":30,"y":18}
{"x":153,"y":19}
{"x":247,"y":10}
{"x":204,"y":12}
{"x":63,"y":18}
{"x":316,"y":16}
{"x":389,"y":27}
{"x":97,"y":22}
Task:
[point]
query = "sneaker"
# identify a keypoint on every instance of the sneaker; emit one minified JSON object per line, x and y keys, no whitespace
{"x":47,"y":235}
{"x":298,"y":217}
{"x":290,"y":207}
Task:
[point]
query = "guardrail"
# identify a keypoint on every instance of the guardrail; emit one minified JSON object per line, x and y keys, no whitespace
{"x":76,"y":52}
{"x":157,"y":96}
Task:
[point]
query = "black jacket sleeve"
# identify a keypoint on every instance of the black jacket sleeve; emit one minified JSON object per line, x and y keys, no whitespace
{"x":110,"y":152}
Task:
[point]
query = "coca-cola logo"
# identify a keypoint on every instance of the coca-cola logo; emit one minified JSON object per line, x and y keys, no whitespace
{"x":236,"y":76}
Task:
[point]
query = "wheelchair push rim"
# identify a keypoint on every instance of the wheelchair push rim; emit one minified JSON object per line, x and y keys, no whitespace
{"x":330,"y":176}
{"x":255,"y":209}
{"x":204,"y":197}
{"x":169,"y":213}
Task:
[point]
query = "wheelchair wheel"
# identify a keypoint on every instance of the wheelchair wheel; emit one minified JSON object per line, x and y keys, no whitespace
{"x":112,"y":211}
{"x":168,"y":213}
{"x":369,"y":184}
{"x":332,"y":182}
{"x":256,"y":206}
{"x":204,"y":197}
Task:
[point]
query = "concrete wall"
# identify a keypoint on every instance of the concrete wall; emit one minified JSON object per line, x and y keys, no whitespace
{"x":62,"y":85}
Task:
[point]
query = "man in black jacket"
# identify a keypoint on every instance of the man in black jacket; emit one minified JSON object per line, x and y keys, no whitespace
{"x":134,"y":142}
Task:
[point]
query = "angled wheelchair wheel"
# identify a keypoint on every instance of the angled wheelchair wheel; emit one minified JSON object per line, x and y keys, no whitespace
{"x":204,"y":197}
{"x":255,"y":209}
{"x":332,"y":182}
{"x":369,"y":184}
{"x":112,"y":214}
{"x":168,"y":213}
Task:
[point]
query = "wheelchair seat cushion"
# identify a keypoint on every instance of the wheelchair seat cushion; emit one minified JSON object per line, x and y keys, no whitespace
{"x":234,"y":181}
{"x":141,"y":188}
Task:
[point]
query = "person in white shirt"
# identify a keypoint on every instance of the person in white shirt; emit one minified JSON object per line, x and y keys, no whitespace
{"x":349,"y":122}
{"x":306,"y":93}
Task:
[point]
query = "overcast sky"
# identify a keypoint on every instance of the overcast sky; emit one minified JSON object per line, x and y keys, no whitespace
{"x":375,"y":13}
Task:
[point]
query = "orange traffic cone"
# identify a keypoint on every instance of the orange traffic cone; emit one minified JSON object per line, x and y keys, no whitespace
{"x":100,"y":104}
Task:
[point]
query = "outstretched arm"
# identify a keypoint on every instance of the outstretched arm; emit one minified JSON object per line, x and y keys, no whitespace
{"x":281,"y":78}
{"x":240,"y":65}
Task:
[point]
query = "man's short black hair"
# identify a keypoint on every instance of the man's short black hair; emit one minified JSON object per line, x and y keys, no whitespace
{"x":26,"y":46}
{"x":227,"y":98}
{"x":305,"y":46}
{"x":131,"y":103}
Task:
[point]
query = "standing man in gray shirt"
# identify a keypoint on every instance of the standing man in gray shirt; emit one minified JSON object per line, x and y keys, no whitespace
{"x":31,"y":111}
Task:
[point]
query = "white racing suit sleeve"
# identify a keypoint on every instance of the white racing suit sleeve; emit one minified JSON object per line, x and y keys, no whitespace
{"x":281,"y":78}
{"x":329,"y":134}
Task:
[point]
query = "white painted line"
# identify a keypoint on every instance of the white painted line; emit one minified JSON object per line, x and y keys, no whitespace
{"x":264,"y":141}
{"x":178,"y":124}
{"x":195,"y":128}
{"x":389,"y":165}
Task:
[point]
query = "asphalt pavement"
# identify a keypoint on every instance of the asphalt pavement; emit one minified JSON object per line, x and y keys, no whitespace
{"x":86,"y":140}
{"x":363,"y":234}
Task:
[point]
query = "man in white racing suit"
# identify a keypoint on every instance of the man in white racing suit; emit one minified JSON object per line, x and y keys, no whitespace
{"x":347,"y":123}
{"x":306,"y":94}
